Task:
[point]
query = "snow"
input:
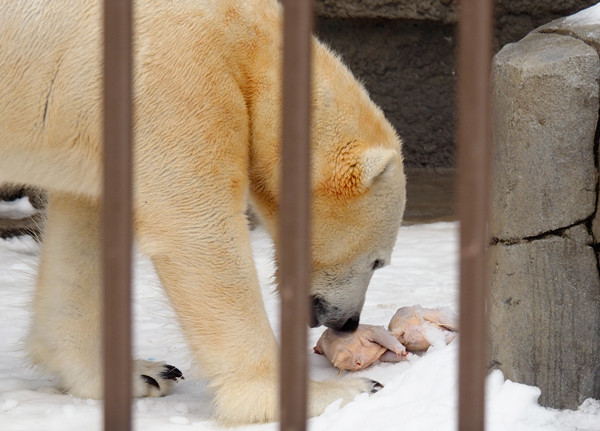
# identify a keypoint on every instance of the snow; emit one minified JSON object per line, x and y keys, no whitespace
{"x":419,"y":394}
{"x":589,"y":16}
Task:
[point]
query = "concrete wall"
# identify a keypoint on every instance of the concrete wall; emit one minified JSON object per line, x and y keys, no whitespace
{"x":403,"y":50}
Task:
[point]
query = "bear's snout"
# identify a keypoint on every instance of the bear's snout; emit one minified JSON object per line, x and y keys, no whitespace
{"x":323,"y":313}
{"x":351,"y":324}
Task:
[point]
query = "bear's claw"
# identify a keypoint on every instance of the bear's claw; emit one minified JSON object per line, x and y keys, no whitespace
{"x":375,"y":386}
{"x":171,"y":373}
{"x":150,"y":381}
{"x":155,"y":379}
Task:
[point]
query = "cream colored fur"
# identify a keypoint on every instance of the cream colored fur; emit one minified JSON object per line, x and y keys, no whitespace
{"x":207,"y":142}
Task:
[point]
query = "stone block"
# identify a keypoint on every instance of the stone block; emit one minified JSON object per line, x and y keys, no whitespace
{"x":580,"y":26}
{"x":544,"y":311}
{"x":580,"y":234}
{"x":545,"y":100}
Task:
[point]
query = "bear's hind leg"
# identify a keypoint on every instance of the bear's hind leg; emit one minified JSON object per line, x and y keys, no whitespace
{"x":65,"y":336}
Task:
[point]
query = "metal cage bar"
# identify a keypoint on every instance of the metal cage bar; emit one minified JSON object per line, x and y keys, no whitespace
{"x":116,"y":215}
{"x":294,"y":216}
{"x":473,"y":171}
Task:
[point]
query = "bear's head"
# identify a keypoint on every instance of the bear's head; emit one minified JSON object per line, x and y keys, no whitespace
{"x":359,"y":192}
{"x":358,"y":184}
{"x":357,"y":212}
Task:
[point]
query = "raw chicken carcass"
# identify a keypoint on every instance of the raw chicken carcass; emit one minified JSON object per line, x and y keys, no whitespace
{"x":416,"y":327}
{"x":359,"y":349}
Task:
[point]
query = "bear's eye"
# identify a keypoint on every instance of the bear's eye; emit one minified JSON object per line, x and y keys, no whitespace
{"x":377,"y":263}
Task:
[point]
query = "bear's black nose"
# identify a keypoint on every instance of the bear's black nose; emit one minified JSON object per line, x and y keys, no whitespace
{"x":351,"y":324}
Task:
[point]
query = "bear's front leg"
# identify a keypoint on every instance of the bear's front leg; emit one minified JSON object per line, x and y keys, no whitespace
{"x":65,"y":335}
{"x":208,"y":274}
{"x":204,"y":259}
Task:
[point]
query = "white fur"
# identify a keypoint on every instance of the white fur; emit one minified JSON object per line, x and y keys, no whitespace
{"x":207,"y":99}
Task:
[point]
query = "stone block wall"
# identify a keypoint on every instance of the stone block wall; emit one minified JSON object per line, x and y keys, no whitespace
{"x":544,"y":304}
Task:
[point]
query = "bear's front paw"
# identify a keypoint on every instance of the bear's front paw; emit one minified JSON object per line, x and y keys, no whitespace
{"x":375,"y":386}
{"x":154,"y":379}
{"x":322,"y":394}
{"x":242,"y":401}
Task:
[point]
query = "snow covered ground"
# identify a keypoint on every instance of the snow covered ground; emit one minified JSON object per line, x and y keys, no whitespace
{"x":589,"y":16}
{"x":419,"y":394}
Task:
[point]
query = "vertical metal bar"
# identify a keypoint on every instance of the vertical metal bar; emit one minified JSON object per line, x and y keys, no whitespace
{"x":473,"y":145}
{"x":116,"y":215}
{"x":294,"y":217}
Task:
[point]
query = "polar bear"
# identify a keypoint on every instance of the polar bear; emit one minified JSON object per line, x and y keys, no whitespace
{"x":206,"y":125}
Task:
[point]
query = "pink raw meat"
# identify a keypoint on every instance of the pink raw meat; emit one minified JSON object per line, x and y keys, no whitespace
{"x":413,"y":326}
{"x":359,"y":349}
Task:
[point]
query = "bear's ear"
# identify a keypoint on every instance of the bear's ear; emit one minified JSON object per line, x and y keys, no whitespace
{"x":356,"y":170}
{"x":377,"y":162}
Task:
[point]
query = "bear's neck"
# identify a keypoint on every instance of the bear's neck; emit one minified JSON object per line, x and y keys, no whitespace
{"x":261,"y":88}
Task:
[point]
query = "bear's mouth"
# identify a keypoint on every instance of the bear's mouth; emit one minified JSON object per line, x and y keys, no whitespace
{"x":325,"y":314}
{"x":314,"y":322}
{"x":318,"y":306}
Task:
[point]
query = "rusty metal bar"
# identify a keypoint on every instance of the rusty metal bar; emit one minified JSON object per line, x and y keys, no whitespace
{"x":473,"y":171}
{"x":294,"y":217}
{"x":116,"y":215}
